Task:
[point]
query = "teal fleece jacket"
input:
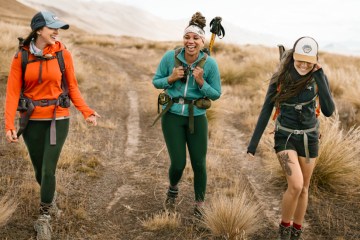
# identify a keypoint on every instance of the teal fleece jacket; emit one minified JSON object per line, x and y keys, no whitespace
{"x":189,"y":90}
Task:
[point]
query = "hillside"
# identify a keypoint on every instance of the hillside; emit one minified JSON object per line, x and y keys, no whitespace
{"x":112,"y":179}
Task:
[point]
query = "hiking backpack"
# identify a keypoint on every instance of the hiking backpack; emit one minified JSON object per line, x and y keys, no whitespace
{"x":25,"y":61}
{"x":25,"y":105}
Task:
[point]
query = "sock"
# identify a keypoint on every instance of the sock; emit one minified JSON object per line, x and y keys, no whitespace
{"x":297,"y":226}
{"x":285,"y":224}
{"x":45,"y":208}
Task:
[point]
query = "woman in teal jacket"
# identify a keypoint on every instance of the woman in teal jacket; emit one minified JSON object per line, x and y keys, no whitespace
{"x":184,"y":122}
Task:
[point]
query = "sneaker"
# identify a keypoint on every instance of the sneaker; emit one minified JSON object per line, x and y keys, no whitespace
{"x":295,"y":233}
{"x":170,"y":201}
{"x":54,"y":209}
{"x":284,"y":232}
{"x":43,"y":228}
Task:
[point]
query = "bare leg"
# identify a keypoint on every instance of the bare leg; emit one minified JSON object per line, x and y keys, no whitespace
{"x":289,"y":161}
{"x":307,"y":171}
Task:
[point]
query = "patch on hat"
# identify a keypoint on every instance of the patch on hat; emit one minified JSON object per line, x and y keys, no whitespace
{"x":307,"y":48}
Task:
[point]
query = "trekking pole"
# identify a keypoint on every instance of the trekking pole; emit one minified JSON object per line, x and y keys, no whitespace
{"x":216,"y":29}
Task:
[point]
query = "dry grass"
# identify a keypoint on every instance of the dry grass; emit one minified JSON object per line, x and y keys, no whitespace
{"x":163,"y":220}
{"x":245,"y":72}
{"x":233,"y":217}
{"x":338,"y":168}
{"x":9,"y":42}
{"x":8,"y":206}
{"x":246,"y":66}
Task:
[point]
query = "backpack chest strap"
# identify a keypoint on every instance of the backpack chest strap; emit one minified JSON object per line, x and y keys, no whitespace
{"x":298,"y":106}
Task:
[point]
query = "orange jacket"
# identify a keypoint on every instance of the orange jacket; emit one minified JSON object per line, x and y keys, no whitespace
{"x":49,"y":88}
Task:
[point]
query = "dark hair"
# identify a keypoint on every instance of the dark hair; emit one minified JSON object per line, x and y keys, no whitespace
{"x":198,"y":20}
{"x":287,"y":86}
{"x":31,"y":36}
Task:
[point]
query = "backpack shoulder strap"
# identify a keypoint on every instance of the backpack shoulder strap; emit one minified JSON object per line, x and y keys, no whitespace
{"x":317,"y":101}
{"x":60,"y":58}
{"x":177,"y":61}
{"x":24,"y":62}
{"x":202,"y":61}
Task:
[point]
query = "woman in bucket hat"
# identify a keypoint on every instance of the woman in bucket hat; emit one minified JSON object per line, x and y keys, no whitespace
{"x":183,"y":120}
{"x":294,"y":89}
{"x":40,"y":86}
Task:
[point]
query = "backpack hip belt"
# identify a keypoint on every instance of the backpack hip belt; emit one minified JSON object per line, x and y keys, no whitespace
{"x":298,"y":132}
{"x":190,"y":103}
{"x":25,"y":116}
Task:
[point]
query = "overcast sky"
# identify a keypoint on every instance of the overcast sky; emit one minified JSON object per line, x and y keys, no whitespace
{"x":325,"y":20}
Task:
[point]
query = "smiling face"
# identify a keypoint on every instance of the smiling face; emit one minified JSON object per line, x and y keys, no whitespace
{"x":46,"y":36}
{"x":302,"y":67}
{"x":193,"y":44}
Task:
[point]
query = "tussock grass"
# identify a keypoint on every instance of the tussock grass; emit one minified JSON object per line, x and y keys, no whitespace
{"x":338,"y":168}
{"x":163,"y":220}
{"x":232,"y":216}
{"x":8,"y":206}
{"x":247,"y":67}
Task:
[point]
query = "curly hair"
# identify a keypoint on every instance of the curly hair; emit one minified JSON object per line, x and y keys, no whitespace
{"x":198,"y":20}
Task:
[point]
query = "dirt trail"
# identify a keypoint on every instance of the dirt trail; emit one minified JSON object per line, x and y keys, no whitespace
{"x":132,"y":178}
{"x":125,"y":189}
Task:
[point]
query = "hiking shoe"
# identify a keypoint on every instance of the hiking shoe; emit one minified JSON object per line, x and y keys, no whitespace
{"x":295,"y":234}
{"x":170,"y":201}
{"x":284,"y":232}
{"x":54,"y":209}
{"x":43,"y":228}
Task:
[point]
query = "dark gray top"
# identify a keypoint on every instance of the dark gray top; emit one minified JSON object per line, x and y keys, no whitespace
{"x":290,"y":117}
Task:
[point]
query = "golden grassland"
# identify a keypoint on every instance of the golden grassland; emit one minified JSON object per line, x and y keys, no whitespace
{"x":245,"y":70}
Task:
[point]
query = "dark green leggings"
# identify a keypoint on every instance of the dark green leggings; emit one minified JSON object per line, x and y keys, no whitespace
{"x":44,"y":156}
{"x":177,"y":136}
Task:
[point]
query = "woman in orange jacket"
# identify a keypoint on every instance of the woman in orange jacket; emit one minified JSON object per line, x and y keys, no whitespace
{"x":48,"y":121}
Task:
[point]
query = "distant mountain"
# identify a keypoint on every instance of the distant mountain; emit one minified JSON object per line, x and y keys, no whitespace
{"x":113,"y":19}
{"x":348,"y":48}
{"x":119,"y":19}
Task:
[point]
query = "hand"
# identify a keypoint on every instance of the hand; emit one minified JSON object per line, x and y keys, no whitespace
{"x":91,"y":120}
{"x":11,"y":136}
{"x":316,"y":67}
{"x":177,"y":73}
{"x":198,"y":75}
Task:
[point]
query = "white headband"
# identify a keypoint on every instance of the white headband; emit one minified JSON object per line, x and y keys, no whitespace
{"x":196,"y":30}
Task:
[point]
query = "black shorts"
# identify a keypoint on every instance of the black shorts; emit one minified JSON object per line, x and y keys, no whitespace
{"x":282,"y":143}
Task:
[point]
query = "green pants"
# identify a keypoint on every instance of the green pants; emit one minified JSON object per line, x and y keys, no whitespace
{"x":177,"y":136}
{"x":44,"y":156}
